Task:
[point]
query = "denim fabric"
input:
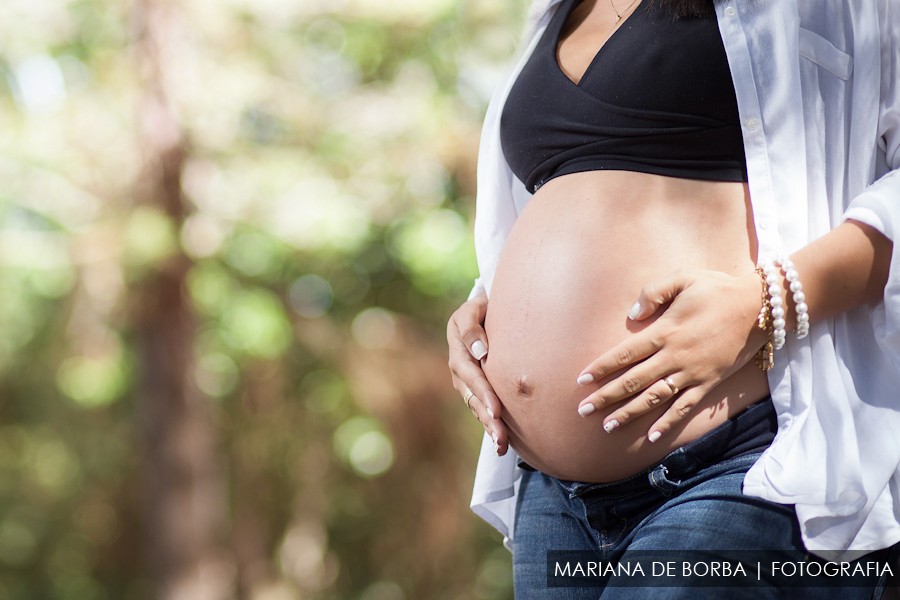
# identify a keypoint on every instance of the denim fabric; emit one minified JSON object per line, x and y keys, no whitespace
{"x":690,"y":501}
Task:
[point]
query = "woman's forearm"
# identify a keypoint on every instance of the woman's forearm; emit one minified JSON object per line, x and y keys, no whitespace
{"x":846,"y":268}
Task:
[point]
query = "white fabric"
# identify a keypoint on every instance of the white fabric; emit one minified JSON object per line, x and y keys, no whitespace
{"x":819,"y":100}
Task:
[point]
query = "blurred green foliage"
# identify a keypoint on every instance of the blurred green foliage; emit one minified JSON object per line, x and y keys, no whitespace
{"x":329,"y":166}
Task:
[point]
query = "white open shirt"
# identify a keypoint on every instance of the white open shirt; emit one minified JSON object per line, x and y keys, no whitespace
{"x":819,"y":100}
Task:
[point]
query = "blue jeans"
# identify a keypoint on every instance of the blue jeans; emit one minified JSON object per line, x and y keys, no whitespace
{"x":690,"y":501}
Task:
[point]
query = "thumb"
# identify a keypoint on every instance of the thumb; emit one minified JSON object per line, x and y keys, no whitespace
{"x":657,"y":294}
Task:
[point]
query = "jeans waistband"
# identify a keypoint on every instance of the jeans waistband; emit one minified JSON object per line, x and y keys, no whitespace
{"x":750,"y":431}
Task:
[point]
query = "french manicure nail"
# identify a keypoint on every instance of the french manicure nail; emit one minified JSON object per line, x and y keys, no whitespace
{"x":495,"y":437}
{"x":610,"y":425}
{"x":586,"y":409}
{"x":490,"y":412}
{"x":497,"y":448}
{"x":479,"y":349}
{"x":584,"y":379}
{"x":635,"y":311}
{"x":654,"y":436}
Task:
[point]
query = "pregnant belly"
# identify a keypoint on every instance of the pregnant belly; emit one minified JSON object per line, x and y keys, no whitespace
{"x":573,"y":265}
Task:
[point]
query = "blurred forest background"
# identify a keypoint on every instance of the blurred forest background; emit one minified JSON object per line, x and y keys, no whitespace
{"x":231,"y":233}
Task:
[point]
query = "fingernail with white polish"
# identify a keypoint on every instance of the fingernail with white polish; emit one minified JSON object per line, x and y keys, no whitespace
{"x":610,"y":425}
{"x":584,"y":379}
{"x":479,"y":349}
{"x":635,"y":311}
{"x":586,"y":409}
{"x":654,"y":436}
{"x":490,"y":412}
{"x":495,"y":437}
{"x":497,"y":448}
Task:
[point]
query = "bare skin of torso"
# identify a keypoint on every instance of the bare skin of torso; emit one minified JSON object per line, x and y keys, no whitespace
{"x":573,"y":265}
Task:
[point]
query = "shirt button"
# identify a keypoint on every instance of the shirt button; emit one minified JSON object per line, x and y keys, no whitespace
{"x":752,"y":124}
{"x":763,"y":224}
{"x":729,"y":12}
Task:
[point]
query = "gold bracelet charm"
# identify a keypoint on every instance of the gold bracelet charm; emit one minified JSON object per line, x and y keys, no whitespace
{"x":765,"y":356}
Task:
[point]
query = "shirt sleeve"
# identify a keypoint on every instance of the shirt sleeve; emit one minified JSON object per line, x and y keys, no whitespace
{"x":879,"y":204}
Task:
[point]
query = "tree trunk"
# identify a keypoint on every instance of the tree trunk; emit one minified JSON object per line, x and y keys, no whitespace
{"x":183,"y":489}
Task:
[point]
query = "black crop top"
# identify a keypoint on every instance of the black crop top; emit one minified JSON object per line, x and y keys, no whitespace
{"x":657,"y":98}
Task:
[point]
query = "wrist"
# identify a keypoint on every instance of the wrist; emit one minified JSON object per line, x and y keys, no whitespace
{"x":784,"y":309}
{"x":755,"y":292}
{"x":773,"y":315}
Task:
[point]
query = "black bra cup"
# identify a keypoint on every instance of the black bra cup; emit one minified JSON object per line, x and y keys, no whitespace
{"x":657,"y":98}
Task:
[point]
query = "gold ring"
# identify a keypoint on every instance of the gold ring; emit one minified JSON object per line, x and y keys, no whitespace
{"x":467,"y":397}
{"x":671,"y":383}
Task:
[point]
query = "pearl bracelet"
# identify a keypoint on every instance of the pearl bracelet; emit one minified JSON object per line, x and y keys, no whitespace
{"x":800,"y":307}
{"x":776,"y":303}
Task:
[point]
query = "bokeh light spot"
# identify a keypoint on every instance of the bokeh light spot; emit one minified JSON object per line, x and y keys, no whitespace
{"x":54,"y":466}
{"x":17,"y":542}
{"x":323,"y":391}
{"x":202,"y":236}
{"x":434,"y":248}
{"x":255,"y":323}
{"x":494,"y":578}
{"x":210,"y":287}
{"x":383,"y":590}
{"x":305,"y":559}
{"x":92,"y":381}
{"x":149,"y":236}
{"x":253,"y":253}
{"x":372,"y":454}
{"x":362,"y":443}
{"x":311,"y":296}
{"x":216,"y":374}
{"x":374,"y":328}
{"x":40,"y":87}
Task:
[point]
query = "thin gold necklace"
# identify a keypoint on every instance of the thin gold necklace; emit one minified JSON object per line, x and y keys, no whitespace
{"x":618,"y":16}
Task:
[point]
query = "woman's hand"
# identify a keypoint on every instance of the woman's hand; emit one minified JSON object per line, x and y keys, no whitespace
{"x":468,"y":345}
{"x":706,"y":334}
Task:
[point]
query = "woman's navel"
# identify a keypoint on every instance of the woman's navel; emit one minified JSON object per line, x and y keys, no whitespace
{"x":523,"y":386}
